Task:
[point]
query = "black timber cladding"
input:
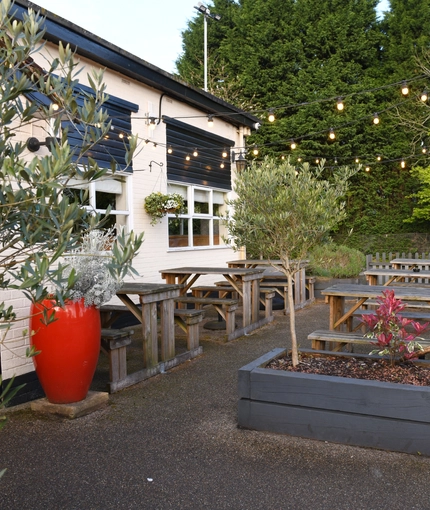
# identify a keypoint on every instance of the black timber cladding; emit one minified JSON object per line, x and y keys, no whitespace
{"x":111,"y":149}
{"x":203,"y":170}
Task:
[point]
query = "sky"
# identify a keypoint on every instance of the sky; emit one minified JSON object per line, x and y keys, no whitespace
{"x":149,"y":29}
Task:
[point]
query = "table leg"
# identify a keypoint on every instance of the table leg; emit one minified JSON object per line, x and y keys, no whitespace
{"x":247,"y":303}
{"x":150,"y":335}
{"x":336,"y":310}
{"x":167,"y":321}
{"x":255,"y":300}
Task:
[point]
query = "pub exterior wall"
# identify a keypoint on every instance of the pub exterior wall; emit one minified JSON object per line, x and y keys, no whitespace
{"x":154,"y":254}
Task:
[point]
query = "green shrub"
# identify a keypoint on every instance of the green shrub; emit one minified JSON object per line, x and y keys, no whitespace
{"x":400,"y":242}
{"x":336,"y":261}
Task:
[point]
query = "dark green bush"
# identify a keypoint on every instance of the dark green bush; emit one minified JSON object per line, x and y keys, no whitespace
{"x":336,"y":261}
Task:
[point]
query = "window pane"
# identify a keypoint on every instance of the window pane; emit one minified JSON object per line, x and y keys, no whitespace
{"x":216,"y":232}
{"x":104,"y":200}
{"x":81,"y":195}
{"x":178,"y":232}
{"x":200,"y":232}
{"x":201,"y":201}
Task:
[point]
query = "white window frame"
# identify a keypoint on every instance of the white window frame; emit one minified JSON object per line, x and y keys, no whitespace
{"x":92,"y":190}
{"x":191,"y":215}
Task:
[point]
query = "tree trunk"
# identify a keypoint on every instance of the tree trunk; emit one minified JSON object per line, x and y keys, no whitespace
{"x":294,"y":352}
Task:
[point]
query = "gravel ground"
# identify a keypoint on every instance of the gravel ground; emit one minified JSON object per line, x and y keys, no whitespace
{"x":172,"y":442}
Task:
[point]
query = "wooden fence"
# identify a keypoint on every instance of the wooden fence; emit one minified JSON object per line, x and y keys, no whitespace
{"x":382,"y":261}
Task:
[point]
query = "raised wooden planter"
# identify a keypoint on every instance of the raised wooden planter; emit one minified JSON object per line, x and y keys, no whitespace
{"x":356,"y":412}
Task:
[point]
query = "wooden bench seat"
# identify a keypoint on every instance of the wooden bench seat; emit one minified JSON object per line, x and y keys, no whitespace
{"x":415,"y":315}
{"x":203,"y":291}
{"x":410,"y":304}
{"x":225,"y":307}
{"x":206,"y":290}
{"x":322,"y":338}
{"x":114,"y":343}
{"x":187,"y":320}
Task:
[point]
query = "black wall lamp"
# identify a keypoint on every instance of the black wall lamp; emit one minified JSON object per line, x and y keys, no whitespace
{"x":239,"y":159}
{"x":33,"y":144}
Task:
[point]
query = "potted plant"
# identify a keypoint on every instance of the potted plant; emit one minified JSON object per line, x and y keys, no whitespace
{"x":312,"y":401}
{"x":158,"y":205}
{"x":66,"y":335}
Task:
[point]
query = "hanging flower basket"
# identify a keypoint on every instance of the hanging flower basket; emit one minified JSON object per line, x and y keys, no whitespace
{"x":158,"y":205}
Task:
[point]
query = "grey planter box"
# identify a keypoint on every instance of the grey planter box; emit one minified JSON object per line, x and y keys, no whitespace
{"x":356,"y":412}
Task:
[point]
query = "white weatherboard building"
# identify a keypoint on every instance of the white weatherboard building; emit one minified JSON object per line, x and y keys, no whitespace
{"x":171,"y":120}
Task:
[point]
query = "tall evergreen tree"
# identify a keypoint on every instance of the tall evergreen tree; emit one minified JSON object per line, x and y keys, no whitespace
{"x":297,"y":57}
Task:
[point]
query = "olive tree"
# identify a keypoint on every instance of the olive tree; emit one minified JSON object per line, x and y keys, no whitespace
{"x":281,"y":212}
{"x":39,"y":222}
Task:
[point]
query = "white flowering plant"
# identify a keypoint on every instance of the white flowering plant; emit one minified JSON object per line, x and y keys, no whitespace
{"x":96,"y":269}
{"x":158,"y":205}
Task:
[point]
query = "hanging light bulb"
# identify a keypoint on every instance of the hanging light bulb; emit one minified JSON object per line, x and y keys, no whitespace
{"x":340,"y":106}
{"x":317,"y":161}
{"x":169,"y":149}
{"x":376,"y":119}
{"x":282,"y":157}
{"x":378,"y":158}
{"x":210,"y":121}
{"x":357,"y":160}
{"x":424,"y":96}
{"x":403,"y":163}
{"x":255,"y":150}
{"x":188,"y":157}
{"x":367,"y":168}
{"x":299,"y":160}
{"x":195,"y":153}
{"x":271,"y":117}
{"x":221,"y":165}
{"x":424,"y":150}
{"x":405,"y":88}
{"x":154,"y":146}
{"x":331,"y":134}
{"x":121,"y":135}
{"x":293,"y":145}
{"x":224,"y":153}
{"x":336,"y":161}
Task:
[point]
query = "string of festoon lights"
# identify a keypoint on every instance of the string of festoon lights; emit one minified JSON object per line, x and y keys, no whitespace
{"x":222,"y":156}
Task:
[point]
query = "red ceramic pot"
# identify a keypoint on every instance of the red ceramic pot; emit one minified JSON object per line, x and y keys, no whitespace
{"x":69,"y":348}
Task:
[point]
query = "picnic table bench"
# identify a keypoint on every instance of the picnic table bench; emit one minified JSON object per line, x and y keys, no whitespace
{"x":326,"y":339}
{"x":394,"y":276}
{"x":360,"y":294}
{"x":222,"y":289}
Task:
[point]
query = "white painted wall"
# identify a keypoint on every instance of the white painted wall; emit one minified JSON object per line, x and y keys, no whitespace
{"x":154,"y":254}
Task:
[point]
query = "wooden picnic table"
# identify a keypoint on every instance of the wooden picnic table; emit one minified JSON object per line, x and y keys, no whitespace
{"x":271,"y":274}
{"x":395,"y":275}
{"x":339,"y":294}
{"x":404,"y":263}
{"x":245,"y":281}
{"x":150,"y":295}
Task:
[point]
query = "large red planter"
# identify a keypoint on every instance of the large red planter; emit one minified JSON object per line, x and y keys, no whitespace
{"x":69,"y":348}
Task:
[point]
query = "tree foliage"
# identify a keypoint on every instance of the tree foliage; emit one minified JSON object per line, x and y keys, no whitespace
{"x":39,"y":222}
{"x":281,"y":212}
{"x":298,"y":57}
